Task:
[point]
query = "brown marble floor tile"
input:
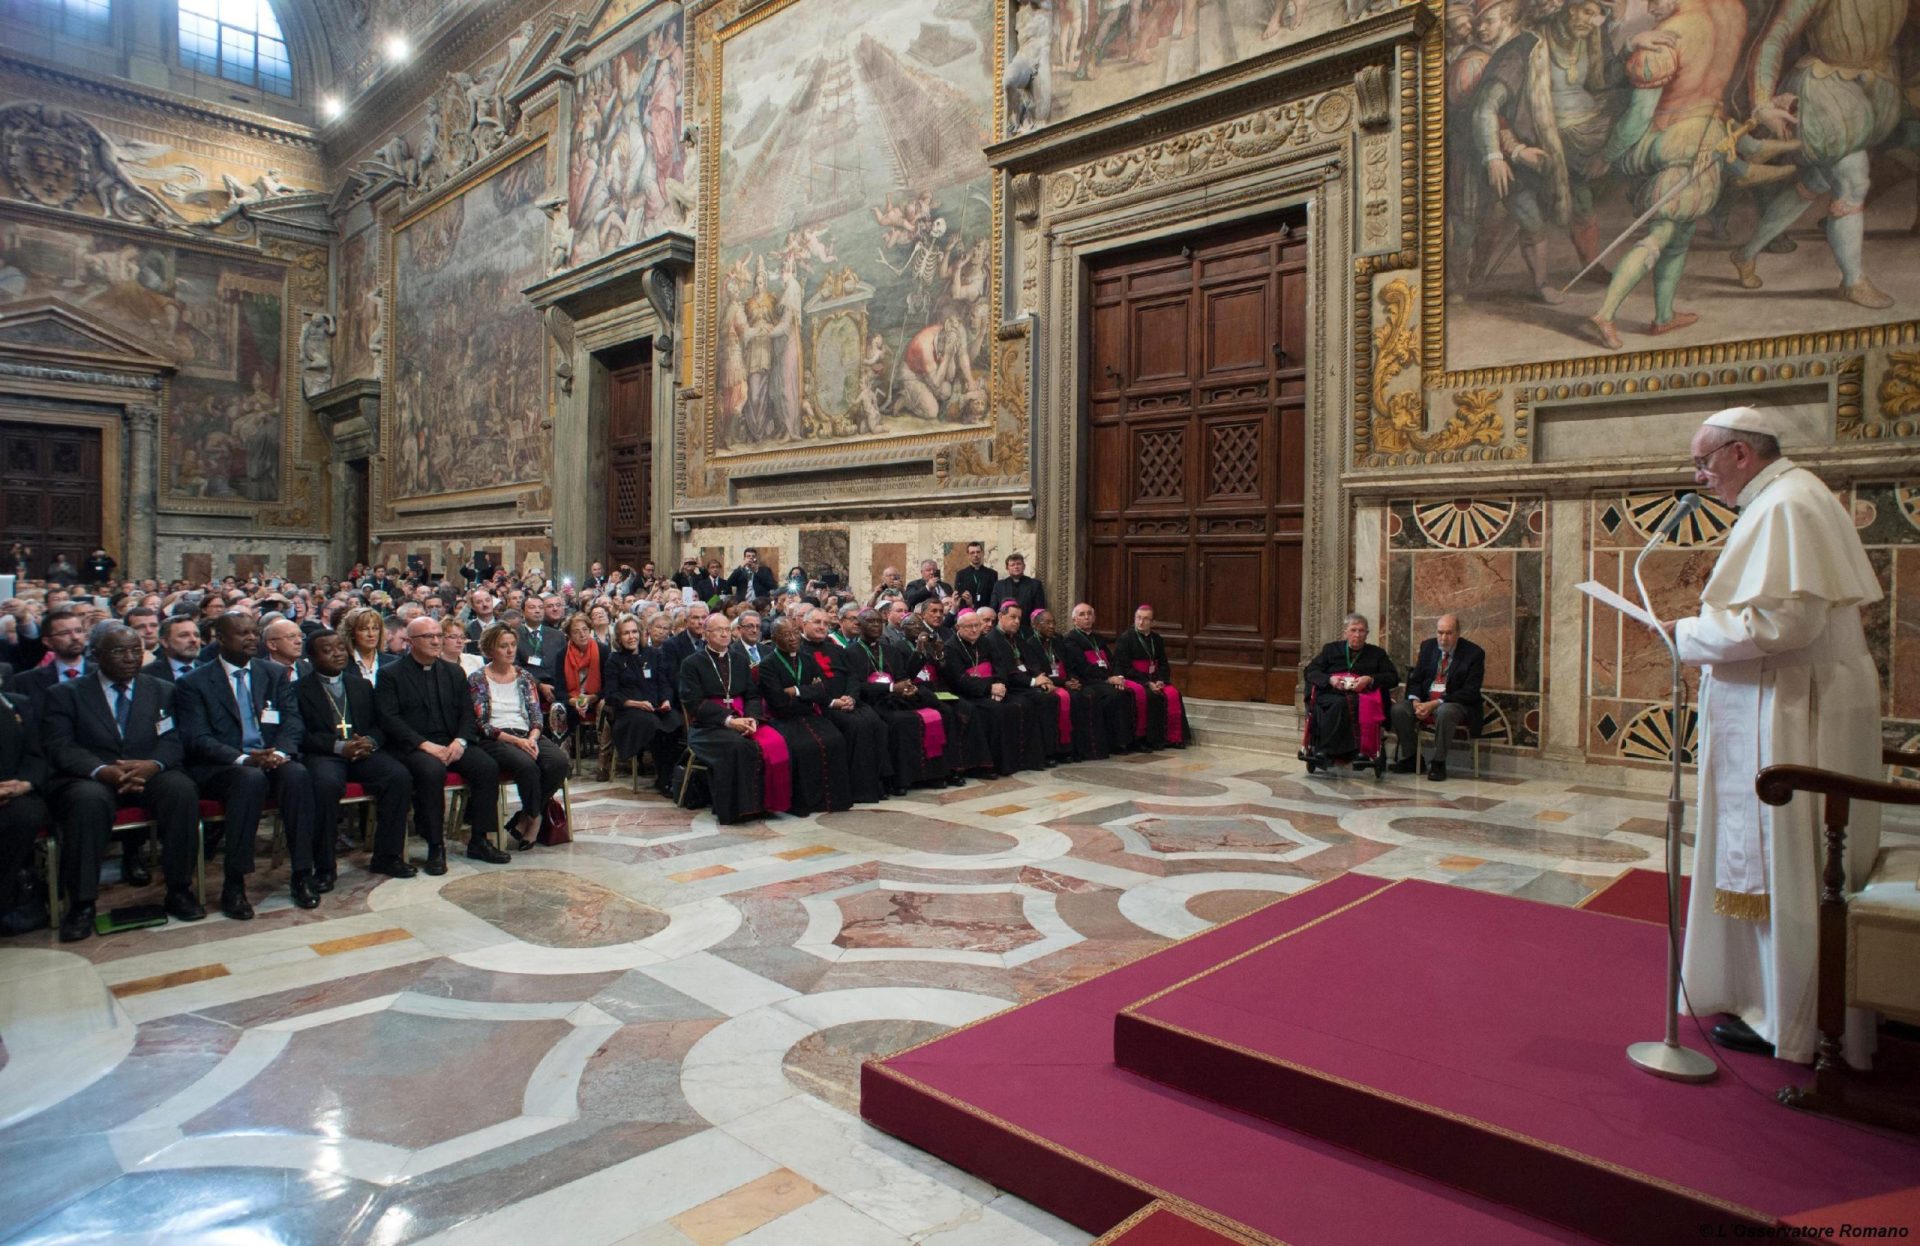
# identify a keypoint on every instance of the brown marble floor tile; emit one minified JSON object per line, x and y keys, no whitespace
{"x":554,"y":909}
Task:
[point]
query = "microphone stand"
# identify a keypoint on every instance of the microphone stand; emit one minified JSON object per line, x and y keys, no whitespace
{"x":1667,"y":1058}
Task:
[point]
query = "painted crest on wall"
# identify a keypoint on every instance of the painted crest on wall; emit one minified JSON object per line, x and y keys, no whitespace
{"x":1674,"y":173}
{"x":467,"y":394}
{"x":851,"y":223}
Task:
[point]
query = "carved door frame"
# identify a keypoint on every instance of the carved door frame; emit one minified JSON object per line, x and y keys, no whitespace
{"x":1076,"y":222}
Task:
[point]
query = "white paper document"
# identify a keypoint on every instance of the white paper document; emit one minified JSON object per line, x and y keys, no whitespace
{"x":1607,"y":597}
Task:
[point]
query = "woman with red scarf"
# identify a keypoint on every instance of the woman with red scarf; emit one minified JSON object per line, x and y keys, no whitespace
{"x":580,"y":677}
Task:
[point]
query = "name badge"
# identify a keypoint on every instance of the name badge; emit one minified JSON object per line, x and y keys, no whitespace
{"x":879,"y":677}
{"x":270,"y":717}
{"x":533,"y":659}
{"x":1437,"y":689}
{"x":1100,"y":660}
{"x":926,"y":675}
{"x":1021,"y":667}
{"x":163,"y":726}
{"x":646,"y":672}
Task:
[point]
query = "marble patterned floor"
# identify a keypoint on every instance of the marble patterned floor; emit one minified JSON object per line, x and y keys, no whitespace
{"x":654,"y":1035}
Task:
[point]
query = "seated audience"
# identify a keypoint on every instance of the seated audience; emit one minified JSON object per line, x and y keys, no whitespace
{"x":113,"y":744}
{"x":577,"y":691}
{"x":453,"y":646}
{"x":1159,"y":713}
{"x":426,"y":713}
{"x":506,"y":703}
{"x":1443,"y":695}
{"x":342,"y":742}
{"x":795,"y":695}
{"x":639,"y":698}
{"x":746,"y":760}
{"x":23,"y":815}
{"x":1348,"y":684}
{"x":366,"y":643}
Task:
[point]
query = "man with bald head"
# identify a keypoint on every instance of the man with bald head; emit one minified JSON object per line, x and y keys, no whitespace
{"x":1442,"y":695}
{"x":285,"y":646}
{"x":428,"y":720}
{"x":1788,"y":679}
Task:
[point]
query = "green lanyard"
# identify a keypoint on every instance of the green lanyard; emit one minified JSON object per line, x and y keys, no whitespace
{"x":1351,"y":655}
{"x":873,"y":656}
{"x":793,"y":670}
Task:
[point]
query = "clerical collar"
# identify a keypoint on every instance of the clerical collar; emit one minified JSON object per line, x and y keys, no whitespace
{"x":1770,"y":473}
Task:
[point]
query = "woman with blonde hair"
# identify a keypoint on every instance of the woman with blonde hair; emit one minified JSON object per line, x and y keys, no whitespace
{"x":639,"y":699}
{"x":366,"y":633}
{"x":508,"y":706}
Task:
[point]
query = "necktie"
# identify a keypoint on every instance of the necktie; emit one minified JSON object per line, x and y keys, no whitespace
{"x":69,"y":672}
{"x":243,"y":698}
{"x":1446,"y":659}
{"x":180,"y":670}
{"x":122,"y":707}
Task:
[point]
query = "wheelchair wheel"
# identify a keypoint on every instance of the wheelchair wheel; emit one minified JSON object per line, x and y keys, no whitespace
{"x":1380,"y":766}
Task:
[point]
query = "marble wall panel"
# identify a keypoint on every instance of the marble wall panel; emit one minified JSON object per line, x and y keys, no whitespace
{"x":824,"y":547}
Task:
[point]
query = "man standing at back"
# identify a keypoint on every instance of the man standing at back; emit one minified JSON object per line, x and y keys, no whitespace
{"x":1443,"y":694}
{"x":974,"y":582}
{"x":1788,"y":679}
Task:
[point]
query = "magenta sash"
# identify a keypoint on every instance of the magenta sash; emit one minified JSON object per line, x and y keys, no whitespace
{"x":1064,"y":699}
{"x":982,"y":670}
{"x":777,"y":763}
{"x":1373,"y":716}
{"x":933,"y":741}
{"x":1176,"y":715}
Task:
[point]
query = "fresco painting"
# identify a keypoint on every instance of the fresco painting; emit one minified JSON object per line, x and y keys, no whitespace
{"x":851,"y":295}
{"x":468,"y":391}
{"x":1083,"y":55}
{"x":221,"y":319}
{"x":627,"y":179}
{"x":359,"y":307}
{"x":1671,"y":173}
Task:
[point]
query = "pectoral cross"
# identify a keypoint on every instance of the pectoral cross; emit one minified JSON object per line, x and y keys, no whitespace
{"x":346,"y":730}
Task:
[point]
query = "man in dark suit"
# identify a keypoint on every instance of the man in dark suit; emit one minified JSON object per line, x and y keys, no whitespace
{"x":750,"y":581}
{"x":382,"y":582}
{"x":689,"y":569}
{"x":542,"y":641}
{"x":242,"y":729}
{"x":975,"y":581}
{"x":928,"y":585}
{"x":343,"y":742}
{"x":64,"y":632}
{"x":283,"y":644}
{"x":427,"y":718}
{"x":179,"y":649}
{"x":1443,"y":692}
{"x":113,"y":744}
{"x":678,"y":647}
{"x":23,"y":814}
{"x":1021,"y":589}
{"x":597,"y":579}
{"x":709,"y":583}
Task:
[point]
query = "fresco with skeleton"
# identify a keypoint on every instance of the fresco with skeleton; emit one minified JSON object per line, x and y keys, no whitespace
{"x":854,"y":224}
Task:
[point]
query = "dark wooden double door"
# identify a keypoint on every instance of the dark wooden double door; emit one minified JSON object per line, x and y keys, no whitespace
{"x":630,"y":462}
{"x":50,"y":480}
{"x":1196,"y":435}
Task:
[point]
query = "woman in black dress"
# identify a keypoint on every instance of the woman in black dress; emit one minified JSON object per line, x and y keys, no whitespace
{"x":638,"y":695}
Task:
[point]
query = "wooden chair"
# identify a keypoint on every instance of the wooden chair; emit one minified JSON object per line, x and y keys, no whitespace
{"x":127,"y":819}
{"x":1869,"y":940}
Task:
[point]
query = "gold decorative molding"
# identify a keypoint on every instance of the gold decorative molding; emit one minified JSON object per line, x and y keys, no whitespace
{"x":1395,"y":432}
{"x":1899,"y":413}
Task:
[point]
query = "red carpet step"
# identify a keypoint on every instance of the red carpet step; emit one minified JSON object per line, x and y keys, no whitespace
{"x":1162,"y":1224}
{"x":1030,"y":1099}
{"x":1479,"y":1040}
{"x":1639,"y":894}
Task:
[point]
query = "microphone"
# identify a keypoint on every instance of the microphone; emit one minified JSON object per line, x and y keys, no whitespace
{"x":1689,"y":503}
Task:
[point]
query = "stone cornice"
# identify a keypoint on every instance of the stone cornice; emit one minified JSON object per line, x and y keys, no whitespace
{"x":1225,"y":92}
{"x":253,"y":125}
{"x":1855,"y":461}
{"x":614,"y":279}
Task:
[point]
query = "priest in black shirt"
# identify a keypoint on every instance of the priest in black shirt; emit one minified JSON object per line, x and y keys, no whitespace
{"x":1349,"y":683}
{"x":796,"y":694}
{"x":1160,"y":713}
{"x":1090,"y":662}
{"x":974,"y":582}
{"x":853,"y":714}
{"x":1021,"y":589}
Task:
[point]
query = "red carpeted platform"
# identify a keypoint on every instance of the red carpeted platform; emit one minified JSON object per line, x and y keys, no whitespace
{"x":1478,"y":1040}
{"x":1162,"y":1224}
{"x":1031,"y":1100}
{"x":1639,"y":894}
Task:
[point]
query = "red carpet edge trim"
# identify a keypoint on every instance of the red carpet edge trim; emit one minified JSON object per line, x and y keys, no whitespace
{"x":1199,"y":1215}
{"x":1152,"y":1191}
{"x":876,"y":1061}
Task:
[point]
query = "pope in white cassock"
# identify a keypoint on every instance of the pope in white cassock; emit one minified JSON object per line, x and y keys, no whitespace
{"x":1788,"y":679}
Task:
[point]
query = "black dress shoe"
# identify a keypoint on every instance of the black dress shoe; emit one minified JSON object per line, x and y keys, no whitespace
{"x":1406,"y":765}
{"x":520,"y":842}
{"x":480,"y":850}
{"x":436,"y":859}
{"x":304,"y":896}
{"x":956,"y":779}
{"x":324,"y":880}
{"x":134,"y":871}
{"x":182,"y":903}
{"x":897,"y":789}
{"x":393,"y":867}
{"x":78,"y":923}
{"x":1733,"y":1034}
{"x":234,"y":902}
{"x":1437,"y":772}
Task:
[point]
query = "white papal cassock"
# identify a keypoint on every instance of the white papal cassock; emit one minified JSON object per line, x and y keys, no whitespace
{"x":1788,"y":680}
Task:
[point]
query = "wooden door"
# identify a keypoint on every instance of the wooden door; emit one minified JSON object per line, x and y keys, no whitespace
{"x":630,"y":464}
{"x":50,"y":478}
{"x":1196,"y":438}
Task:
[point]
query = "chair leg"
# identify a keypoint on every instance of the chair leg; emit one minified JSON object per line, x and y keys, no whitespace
{"x":53,"y":878}
{"x":277,"y":843}
{"x":200,"y":859}
{"x":686,"y":778}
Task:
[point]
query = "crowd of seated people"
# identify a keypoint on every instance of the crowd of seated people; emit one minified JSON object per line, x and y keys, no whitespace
{"x":274,"y":698}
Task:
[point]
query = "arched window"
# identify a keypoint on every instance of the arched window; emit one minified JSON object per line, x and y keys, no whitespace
{"x":86,"y":19}
{"x":238,"y":40}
